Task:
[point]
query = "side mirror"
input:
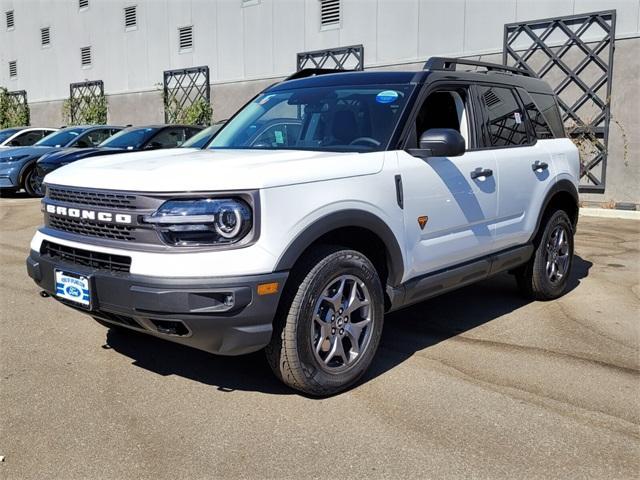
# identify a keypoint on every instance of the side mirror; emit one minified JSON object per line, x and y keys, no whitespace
{"x":439,"y":142}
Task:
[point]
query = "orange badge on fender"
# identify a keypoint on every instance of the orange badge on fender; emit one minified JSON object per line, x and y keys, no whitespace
{"x":422,"y":221}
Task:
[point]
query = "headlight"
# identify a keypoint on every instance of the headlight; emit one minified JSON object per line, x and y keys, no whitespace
{"x":10,"y":158}
{"x":209,"y":221}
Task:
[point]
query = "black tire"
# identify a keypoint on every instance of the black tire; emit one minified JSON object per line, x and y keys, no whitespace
{"x":29,"y":182}
{"x":295,"y":351}
{"x":535,"y":278}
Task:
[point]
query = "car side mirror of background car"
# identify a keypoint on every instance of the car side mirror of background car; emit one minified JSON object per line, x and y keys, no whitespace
{"x":439,"y":142}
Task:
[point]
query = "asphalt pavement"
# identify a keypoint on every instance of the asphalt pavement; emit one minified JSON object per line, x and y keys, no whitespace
{"x":478,"y":383}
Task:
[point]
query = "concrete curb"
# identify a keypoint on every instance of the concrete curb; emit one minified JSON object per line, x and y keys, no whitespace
{"x":610,"y":213}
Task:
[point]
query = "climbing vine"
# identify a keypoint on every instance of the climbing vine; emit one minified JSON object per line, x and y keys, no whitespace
{"x":13,"y":112}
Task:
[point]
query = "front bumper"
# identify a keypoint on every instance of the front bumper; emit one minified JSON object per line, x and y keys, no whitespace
{"x":222,"y":315}
{"x":10,"y":174}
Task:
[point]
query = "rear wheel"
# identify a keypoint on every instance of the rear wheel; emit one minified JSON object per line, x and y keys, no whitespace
{"x":545,"y":276}
{"x":329,"y":324}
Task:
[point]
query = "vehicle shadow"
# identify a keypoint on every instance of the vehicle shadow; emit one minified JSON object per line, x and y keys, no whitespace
{"x":11,"y":194}
{"x":406,"y":332}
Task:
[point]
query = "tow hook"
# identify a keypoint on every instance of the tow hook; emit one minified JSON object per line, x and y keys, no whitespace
{"x":44,"y":294}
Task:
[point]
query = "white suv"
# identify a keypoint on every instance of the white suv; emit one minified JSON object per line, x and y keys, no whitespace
{"x":328,"y":200}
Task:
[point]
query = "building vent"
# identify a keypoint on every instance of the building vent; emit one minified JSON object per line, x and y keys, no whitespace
{"x":45,"y":36}
{"x":85,"y":56}
{"x":130,"y":18}
{"x":13,"y":69}
{"x":83,"y":4}
{"x":10,"y":20}
{"x":185,"y":37}
{"x":329,"y":13}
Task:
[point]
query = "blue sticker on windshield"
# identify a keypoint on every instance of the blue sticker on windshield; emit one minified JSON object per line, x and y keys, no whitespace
{"x":388,"y":96}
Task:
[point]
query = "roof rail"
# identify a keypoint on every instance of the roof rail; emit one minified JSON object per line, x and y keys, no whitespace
{"x":310,"y":72}
{"x":449,"y":64}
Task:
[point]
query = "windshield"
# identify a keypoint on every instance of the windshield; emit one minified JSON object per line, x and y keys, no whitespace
{"x":61,"y":138}
{"x":4,"y":134}
{"x":341,"y":118}
{"x":201,"y":138}
{"x":129,"y":139}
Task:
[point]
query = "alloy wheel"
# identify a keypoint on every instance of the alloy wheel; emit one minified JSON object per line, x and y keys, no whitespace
{"x":342,"y":324}
{"x":557,"y":260}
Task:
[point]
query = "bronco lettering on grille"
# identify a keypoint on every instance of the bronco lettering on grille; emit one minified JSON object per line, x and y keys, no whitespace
{"x":89,"y":214}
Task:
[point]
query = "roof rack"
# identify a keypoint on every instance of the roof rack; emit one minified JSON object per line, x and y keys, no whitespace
{"x":310,"y":72}
{"x":449,"y":64}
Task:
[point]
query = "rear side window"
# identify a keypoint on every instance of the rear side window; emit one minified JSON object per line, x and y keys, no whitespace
{"x":93,"y":138}
{"x":27,"y":139}
{"x":504,"y":119}
{"x":548,"y":106}
{"x":168,"y":138}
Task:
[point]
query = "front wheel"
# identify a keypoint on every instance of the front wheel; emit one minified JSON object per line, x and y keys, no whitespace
{"x":329,"y":324}
{"x":545,"y":276}
{"x":31,"y":184}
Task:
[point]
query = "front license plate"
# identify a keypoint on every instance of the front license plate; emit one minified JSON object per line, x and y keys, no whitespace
{"x":73,"y":287}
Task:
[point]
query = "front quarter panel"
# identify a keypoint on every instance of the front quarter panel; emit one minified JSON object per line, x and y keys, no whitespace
{"x":289,"y":211}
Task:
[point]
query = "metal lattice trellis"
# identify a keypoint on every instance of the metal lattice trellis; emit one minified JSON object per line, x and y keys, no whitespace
{"x":575,"y":55}
{"x":184,"y":88}
{"x":341,"y":58}
{"x":18,"y":101}
{"x":86,"y":102}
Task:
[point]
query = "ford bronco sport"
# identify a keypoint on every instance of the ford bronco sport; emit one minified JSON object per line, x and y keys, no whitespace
{"x":327,"y":201}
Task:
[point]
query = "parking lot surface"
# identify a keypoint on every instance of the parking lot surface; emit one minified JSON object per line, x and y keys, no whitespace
{"x":477,"y":383}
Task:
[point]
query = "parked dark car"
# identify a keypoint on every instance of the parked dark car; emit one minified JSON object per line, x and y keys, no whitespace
{"x":17,"y":165}
{"x":23,"y":136}
{"x":132,"y":139}
{"x":203,"y":137}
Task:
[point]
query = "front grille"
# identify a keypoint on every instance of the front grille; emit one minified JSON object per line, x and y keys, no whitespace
{"x":93,"y":198}
{"x":93,"y":229}
{"x":86,"y":258}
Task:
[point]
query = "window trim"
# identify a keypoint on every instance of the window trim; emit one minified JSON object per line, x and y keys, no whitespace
{"x":437,"y":85}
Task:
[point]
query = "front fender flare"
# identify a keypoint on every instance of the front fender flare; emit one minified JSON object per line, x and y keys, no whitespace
{"x":341,"y":219}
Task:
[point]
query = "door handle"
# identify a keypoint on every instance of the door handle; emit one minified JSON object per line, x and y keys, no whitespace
{"x":539,"y":166}
{"x":481,"y":172}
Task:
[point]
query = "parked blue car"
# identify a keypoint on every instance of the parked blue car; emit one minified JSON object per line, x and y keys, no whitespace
{"x":17,"y":165}
{"x":132,"y":139}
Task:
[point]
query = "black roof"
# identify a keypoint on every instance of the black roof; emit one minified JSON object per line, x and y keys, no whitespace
{"x":354,"y":78}
{"x":347,"y":78}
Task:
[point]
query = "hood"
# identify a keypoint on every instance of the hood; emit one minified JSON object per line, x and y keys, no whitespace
{"x":183,"y":170}
{"x":67,"y":155}
{"x":24,"y":152}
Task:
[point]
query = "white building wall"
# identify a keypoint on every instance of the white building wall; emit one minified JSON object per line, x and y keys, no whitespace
{"x":252,"y":42}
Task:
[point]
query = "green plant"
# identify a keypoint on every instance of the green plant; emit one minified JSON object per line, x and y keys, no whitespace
{"x":85,"y":110}
{"x":198,"y":112}
{"x":13,"y":112}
